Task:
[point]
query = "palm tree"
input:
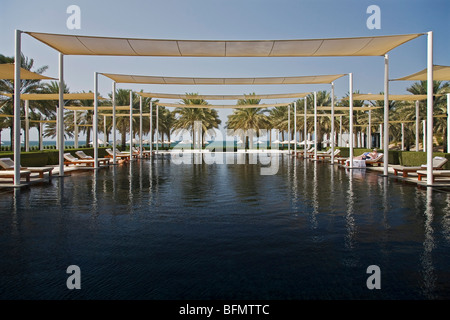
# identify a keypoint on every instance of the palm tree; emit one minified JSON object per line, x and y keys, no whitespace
{"x":26,"y":86}
{"x":439,"y":105}
{"x":187,"y":116}
{"x":248,"y":118}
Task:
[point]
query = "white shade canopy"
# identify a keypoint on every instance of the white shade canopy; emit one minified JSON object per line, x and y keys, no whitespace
{"x":205,"y":106}
{"x":109,"y":46}
{"x":441,"y":73}
{"x":315,"y":79}
{"x":7,"y":73}
{"x":55,"y":96}
{"x":222,"y":97}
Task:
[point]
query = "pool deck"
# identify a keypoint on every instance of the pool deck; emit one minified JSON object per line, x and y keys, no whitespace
{"x":35,"y":179}
{"x":411,"y":178}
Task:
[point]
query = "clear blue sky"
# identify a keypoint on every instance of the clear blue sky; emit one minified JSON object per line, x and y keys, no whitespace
{"x":231,"y":20}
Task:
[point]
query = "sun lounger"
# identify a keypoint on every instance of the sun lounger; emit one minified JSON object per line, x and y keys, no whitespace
{"x":438,"y":164}
{"x":84,"y":156}
{"x":70,"y":159}
{"x":120,"y":155}
{"x":8,"y":164}
{"x":328,"y":155}
{"x":9,"y":174}
{"x":378,"y":160}
{"x":436,"y":174}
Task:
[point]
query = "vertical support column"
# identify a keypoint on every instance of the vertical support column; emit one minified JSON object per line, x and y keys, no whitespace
{"x":114,"y":121}
{"x":332,"y":123}
{"x":430,"y":109}
{"x":386,"y":115}
{"x":41,"y":142}
{"x":305,"y":130}
{"x":315,"y":125}
{"x":95,"y":121}
{"x":403,"y":136}
{"x":151,"y":127}
{"x":295,"y":127}
{"x":424,"y":133}
{"x":105,"y":140}
{"x":369,"y":131}
{"x":27,"y":125}
{"x":350,"y":85}
{"x":140,"y":126}
{"x":131,"y":122}
{"x":157,"y":127}
{"x":289,"y":129}
{"x":17,"y":63}
{"x":75,"y":127}
{"x":417,"y":125}
{"x":340,"y":132}
{"x":448,"y":123}
{"x":61,"y":115}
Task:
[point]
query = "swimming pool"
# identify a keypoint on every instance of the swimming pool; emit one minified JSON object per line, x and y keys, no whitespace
{"x":158,"y":230}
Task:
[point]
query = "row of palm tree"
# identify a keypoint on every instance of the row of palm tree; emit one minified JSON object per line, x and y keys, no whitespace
{"x":171,"y":122}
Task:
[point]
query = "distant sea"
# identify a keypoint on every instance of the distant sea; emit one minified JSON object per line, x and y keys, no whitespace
{"x":83,"y":142}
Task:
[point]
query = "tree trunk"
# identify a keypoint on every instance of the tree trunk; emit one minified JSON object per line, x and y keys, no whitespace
{"x":11,"y":137}
{"x":88,"y":136}
{"x":124,"y":139}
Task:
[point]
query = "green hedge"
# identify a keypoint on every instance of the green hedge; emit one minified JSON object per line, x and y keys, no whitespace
{"x":412,"y":158}
{"x":48,"y":157}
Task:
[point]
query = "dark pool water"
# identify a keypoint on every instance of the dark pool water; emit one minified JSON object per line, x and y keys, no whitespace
{"x":160,"y":230}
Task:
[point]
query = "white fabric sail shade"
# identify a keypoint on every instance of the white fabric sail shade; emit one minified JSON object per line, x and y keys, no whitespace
{"x":440,"y":73}
{"x":110,"y":46}
{"x":315,"y":79}
{"x":7,"y":73}
{"x":221,"y":97}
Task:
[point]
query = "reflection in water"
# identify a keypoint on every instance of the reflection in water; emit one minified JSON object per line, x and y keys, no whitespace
{"x":446,"y":219}
{"x":349,"y":219}
{"x":131,"y":164}
{"x":429,"y":278}
{"x":315,"y":200}
{"x":205,"y":231}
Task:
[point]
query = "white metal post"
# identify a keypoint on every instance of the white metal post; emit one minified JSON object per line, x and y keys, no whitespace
{"x":95,"y":121}
{"x":417,"y":125}
{"x":131,"y":123}
{"x":340,"y":132}
{"x":114,"y":121}
{"x":332,"y":123}
{"x":104,"y":132}
{"x":157,"y":127}
{"x":305,"y":129}
{"x":295,"y":127}
{"x":27,"y":125}
{"x":75,"y":126}
{"x":430,"y":109}
{"x":386,"y":115}
{"x":369,"y":131}
{"x":61,"y":115}
{"x":448,"y":122}
{"x":41,"y":142}
{"x":350,"y":85}
{"x":140,"y":126}
{"x":424,"y":132}
{"x":403,"y":136}
{"x":17,"y":63}
{"x":289,"y":129}
{"x":315,"y":125}
{"x":151,"y":127}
